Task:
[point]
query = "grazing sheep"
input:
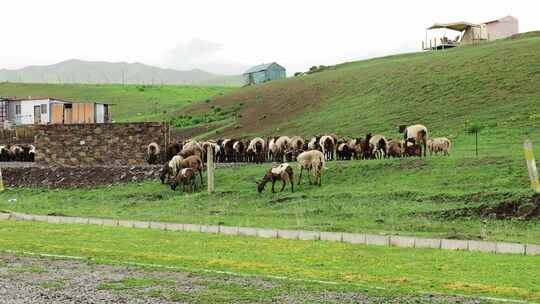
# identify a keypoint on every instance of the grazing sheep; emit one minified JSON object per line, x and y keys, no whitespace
{"x":355,"y":147}
{"x":366,"y":147}
{"x":173,"y":149}
{"x":344,"y":152}
{"x":439,"y":145}
{"x":32,"y":153}
{"x":256,"y":150}
{"x":282,"y":144}
{"x":314,"y":143}
{"x":395,"y":149}
{"x":170,"y":168}
{"x":152,"y":153}
{"x":413,"y":149}
{"x":178,"y":162}
{"x":417,"y":134}
{"x":5,"y":154}
{"x":17,"y":153}
{"x":239,"y":149}
{"x":228,"y":149}
{"x":186,"y":178}
{"x":379,"y":146}
{"x":216,"y":150}
{"x":297,"y":143}
{"x":192,"y":145}
{"x":314,"y":162}
{"x":282,"y":172}
{"x":328,"y":146}
{"x":272,"y":148}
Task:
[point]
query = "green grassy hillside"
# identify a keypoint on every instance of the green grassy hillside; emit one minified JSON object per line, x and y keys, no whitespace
{"x":495,"y":84}
{"x":132,"y":102}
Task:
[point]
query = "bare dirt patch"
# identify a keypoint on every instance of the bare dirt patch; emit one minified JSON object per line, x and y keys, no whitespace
{"x":526,"y":208}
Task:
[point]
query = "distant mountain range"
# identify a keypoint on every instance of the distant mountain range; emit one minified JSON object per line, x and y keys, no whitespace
{"x":79,"y":71}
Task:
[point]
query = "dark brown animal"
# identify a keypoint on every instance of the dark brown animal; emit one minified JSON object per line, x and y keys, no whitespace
{"x":186,"y":178}
{"x":283,"y":172}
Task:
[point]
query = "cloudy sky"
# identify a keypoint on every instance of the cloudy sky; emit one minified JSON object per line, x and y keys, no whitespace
{"x":228,"y":36}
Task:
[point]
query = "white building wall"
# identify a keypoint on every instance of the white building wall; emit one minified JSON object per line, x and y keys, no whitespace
{"x":100,"y":113}
{"x":26,"y":117}
{"x":503,"y":28}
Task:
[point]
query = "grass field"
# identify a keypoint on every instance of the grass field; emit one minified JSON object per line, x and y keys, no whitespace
{"x":131,"y":102}
{"x":400,"y":271}
{"x":403,"y":196}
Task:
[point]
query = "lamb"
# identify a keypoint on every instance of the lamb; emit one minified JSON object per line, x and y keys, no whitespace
{"x":186,"y":178}
{"x":439,"y":145}
{"x":178,"y":162}
{"x":152,"y":153}
{"x":413,"y":149}
{"x":282,"y":172}
{"x":314,"y":162}
{"x":328,"y":146}
{"x":417,"y":134}
{"x":379,"y":146}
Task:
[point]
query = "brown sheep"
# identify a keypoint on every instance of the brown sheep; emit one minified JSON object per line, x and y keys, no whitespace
{"x":395,"y":149}
{"x":282,"y":172}
{"x":439,"y":145}
{"x":186,"y":178}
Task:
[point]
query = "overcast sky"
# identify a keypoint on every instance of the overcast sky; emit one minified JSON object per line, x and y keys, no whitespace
{"x":228,"y":36}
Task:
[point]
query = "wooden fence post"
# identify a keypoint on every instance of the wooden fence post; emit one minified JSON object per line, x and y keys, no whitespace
{"x":531,"y":166}
{"x":210,"y":168}
{"x":1,"y":181}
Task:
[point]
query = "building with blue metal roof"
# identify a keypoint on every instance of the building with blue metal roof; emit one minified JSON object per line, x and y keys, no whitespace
{"x":264,"y":72}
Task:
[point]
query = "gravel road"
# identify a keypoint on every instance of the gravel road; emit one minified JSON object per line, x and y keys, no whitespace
{"x":39,"y":280}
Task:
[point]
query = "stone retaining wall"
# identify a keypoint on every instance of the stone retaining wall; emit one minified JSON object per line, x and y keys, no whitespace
{"x":97,"y":144}
{"x":352,"y":238}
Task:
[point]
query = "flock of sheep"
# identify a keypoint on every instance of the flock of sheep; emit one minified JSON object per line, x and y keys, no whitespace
{"x":17,"y":153}
{"x":184,"y":161}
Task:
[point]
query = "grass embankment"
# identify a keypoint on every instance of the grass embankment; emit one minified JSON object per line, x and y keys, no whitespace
{"x":131,"y":102}
{"x":494,"y":84}
{"x":402,"y":196}
{"x":364,"y":267}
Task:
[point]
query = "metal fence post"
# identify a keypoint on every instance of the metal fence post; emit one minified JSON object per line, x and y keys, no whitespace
{"x":210,"y":167}
{"x":531,"y":166}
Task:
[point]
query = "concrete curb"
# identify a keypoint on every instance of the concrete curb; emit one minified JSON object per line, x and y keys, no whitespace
{"x":340,"y":237}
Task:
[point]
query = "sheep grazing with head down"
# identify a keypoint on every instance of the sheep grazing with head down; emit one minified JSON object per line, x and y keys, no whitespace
{"x":343,"y":151}
{"x":395,"y":149}
{"x":5,"y":154}
{"x":413,"y":149}
{"x":177,"y":163}
{"x":152,"y":153}
{"x":416,"y":134}
{"x":172,"y":150}
{"x":186,"y":177}
{"x":439,"y":145}
{"x":314,"y":143}
{"x":367,"y":151}
{"x":283,"y":172}
{"x":256,"y":150}
{"x":328,"y":146}
{"x":228,"y":150}
{"x":17,"y":153}
{"x":282,"y":145}
{"x":215,"y":150}
{"x":379,"y":146}
{"x":239,"y":148}
{"x":314,"y":162}
{"x":355,"y":146}
{"x":170,"y":168}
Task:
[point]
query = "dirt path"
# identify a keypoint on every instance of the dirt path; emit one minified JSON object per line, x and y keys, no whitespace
{"x":37,"y":280}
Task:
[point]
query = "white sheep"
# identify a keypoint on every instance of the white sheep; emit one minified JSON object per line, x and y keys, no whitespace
{"x":439,"y":145}
{"x":417,"y":134}
{"x":314,"y":162}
